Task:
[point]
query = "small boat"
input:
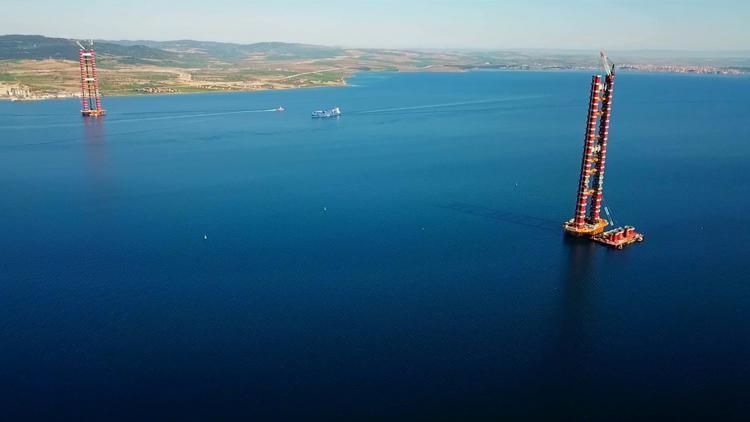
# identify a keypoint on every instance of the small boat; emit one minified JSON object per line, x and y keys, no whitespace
{"x":324,"y":114}
{"x":280,"y":109}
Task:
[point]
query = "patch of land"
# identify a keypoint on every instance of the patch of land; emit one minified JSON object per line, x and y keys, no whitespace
{"x":35,"y":67}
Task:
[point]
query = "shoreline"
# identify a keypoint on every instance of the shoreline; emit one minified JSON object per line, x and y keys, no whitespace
{"x":52,"y":97}
{"x":162,"y":94}
{"x":345,"y":82}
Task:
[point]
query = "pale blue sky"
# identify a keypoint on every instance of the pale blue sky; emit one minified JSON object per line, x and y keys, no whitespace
{"x":573,"y":24}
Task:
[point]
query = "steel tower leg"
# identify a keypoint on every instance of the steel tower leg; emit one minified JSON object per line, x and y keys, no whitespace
{"x":596,"y":205}
{"x":84,"y":99}
{"x":97,"y":96}
{"x":588,"y":154}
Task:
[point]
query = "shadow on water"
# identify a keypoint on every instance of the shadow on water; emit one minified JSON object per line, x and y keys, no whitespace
{"x":576,"y":283}
{"x":549,"y":226}
{"x":563,"y":379}
{"x":569,"y":337}
{"x":565,"y":373}
{"x":93,"y":130}
{"x":97,"y":156}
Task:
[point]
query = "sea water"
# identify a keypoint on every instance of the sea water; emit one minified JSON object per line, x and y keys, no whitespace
{"x":203,"y":256}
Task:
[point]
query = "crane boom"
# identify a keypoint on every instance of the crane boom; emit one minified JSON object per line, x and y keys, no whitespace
{"x":608,"y":66}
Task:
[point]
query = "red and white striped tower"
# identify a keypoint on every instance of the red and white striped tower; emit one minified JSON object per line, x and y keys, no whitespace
{"x":587,"y":162}
{"x":589,"y":199}
{"x":84,"y":99}
{"x":596,"y":206}
{"x":97,"y":94}
{"x":592,"y":167}
{"x":91,"y":100}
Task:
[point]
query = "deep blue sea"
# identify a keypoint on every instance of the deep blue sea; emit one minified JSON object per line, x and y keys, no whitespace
{"x":200,"y":257}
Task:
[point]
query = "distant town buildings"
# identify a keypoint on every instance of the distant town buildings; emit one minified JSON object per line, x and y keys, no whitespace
{"x":158,"y":90}
{"x":19,"y":92}
{"x":706,"y":70}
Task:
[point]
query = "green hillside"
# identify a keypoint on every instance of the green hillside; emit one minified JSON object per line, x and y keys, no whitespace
{"x":231,"y":52}
{"x":36,"y":47}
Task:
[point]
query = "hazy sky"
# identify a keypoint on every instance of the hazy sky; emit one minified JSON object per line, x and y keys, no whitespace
{"x":574,"y":24}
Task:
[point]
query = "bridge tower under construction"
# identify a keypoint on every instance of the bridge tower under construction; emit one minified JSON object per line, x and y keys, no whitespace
{"x":587,"y":219}
{"x":91,"y":98}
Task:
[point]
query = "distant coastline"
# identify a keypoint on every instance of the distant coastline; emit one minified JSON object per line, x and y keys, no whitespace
{"x":40,"y":68}
{"x":342,"y":83}
{"x":76,"y":95}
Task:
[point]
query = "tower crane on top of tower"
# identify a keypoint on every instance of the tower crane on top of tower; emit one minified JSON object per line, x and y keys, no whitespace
{"x":609,"y":67}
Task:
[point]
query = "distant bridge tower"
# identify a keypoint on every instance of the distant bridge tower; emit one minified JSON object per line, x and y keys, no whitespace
{"x":91,"y":99}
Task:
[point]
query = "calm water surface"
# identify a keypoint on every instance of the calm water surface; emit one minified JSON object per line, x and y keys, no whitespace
{"x":403,"y":260}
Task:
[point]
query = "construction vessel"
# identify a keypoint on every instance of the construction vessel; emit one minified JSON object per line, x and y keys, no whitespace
{"x":326,"y":114}
{"x":619,"y":237}
{"x":91,"y":99}
{"x":587,"y":220}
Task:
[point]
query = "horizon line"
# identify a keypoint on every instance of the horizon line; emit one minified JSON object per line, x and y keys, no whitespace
{"x":403,"y":48}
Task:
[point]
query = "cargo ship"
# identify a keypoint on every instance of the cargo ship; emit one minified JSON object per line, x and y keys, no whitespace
{"x":324,"y":114}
